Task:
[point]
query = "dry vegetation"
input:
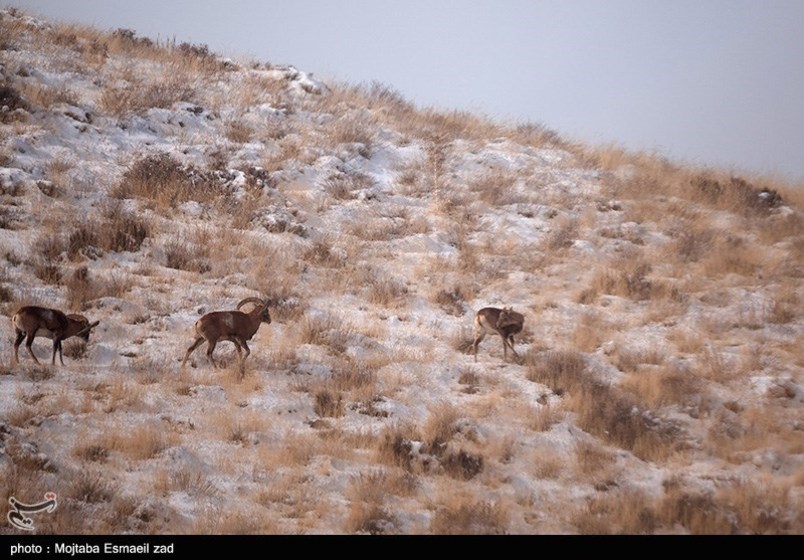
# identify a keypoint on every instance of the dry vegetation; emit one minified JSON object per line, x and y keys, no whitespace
{"x":663,"y":310}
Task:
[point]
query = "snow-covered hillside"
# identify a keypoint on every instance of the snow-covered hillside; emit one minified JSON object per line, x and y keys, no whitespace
{"x":658,"y":384}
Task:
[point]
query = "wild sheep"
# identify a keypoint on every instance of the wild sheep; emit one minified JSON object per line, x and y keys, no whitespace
{"x":234,"y":326}
{"x":33,"y":321}
{"x":504,"y":322}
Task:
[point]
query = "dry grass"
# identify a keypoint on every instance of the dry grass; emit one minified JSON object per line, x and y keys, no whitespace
{"x":47,"y":95}
{"x":163,"y":182}
{"x":140,"y":443}
{"x":561,"y":370}
{"x":667,"y":385}
{"x":367,"y":514}
{"x":238,"y":132}
{"x":459,"y":514}
{"x":324,"y":330}
{"x":384,"y":290}
{"x":593,"y":461}
{"x":627,"y":512}
{"x":495,"y":188}
{"x":725,"y":240}
{"x":630,"y":360}
{"x":627,"y":277}
{"x":543,"y":418}
{"x":91,"y":487}
{"x":590,"y":331}
{"x":83,"y":288}
{"x":601,"y":409}
{"x":619,"y":419}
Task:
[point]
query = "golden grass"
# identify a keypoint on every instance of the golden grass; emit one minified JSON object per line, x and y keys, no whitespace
{"x":704,"y":213}
{"x":463,"y":514}
{"x":140,"y":443}
{"x":666,"y":385}
{"x":622,"y":512}
{"x":591,"y":330}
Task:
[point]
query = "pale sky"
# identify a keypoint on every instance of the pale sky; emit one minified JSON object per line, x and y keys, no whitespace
{"x":709,"y":82}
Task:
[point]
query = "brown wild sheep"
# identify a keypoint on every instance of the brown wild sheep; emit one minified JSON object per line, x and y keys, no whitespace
{"x":504,"y":322}
{"x":235,"y":326}
{"x":33,"y":321}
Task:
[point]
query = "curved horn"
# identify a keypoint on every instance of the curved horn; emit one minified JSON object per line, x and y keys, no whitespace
{"x":88,"y":328}
{"x":256,"y":300}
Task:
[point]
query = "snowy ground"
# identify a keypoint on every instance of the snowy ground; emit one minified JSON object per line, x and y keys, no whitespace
{"x":658,"y":387}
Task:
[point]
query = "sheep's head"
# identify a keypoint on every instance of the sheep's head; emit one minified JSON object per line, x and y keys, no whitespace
{"x":84,"y":327}
{"x":261,"y":308}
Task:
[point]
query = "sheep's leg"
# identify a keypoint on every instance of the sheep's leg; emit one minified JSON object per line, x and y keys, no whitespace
{"x":198,"y":342}
{"x":29,"y":342}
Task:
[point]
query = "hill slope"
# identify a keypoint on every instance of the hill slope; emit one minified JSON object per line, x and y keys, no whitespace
{"x":658,"y":384}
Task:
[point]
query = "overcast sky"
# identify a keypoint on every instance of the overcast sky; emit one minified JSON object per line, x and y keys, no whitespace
{"x":710,"y":82}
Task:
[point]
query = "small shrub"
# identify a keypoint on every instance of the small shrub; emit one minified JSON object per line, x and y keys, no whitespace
{"x":470,"y":518}
{"x":238,"y":132}
{"x":462,"y":465}
{"x":186,"y":256}
{"x":562,"y":370}
{"x":11,"y":98}
{"x":90,"y":487}
{"x":328,"y":404}
{"x":92,"y":453}
{"x":161,"y":179}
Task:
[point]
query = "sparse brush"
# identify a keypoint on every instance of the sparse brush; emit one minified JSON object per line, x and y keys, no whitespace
{"x":369,"y":518}
{"x":387,"y":292}
{"x":396,"y":448}
{"x":462,"y":464}
{"x":92,"y":452}
{"x":629,"y":360}
{"x":589,"y":331}
{"x":193,"y":482}
{"x":592,"y":460}
{"x":452,"y":301}
{"x":238,"y":132}
{"x":328,"y":404}
{"x":561,"y":370}
{"x":142,"y":442}
{"x":162,"y":180}
{"x":354,"y":128}
{"x":440,"y":425}
{"x":563,"y":236}
{"x":324,"y":330}
{"x":496,"y":188}
{"x":133,"y":98}
{"x":543,"y":418}
{"x":670,"y":384}
{"x":623,"y":512}
{"x":48,"y":95}
{"x":191,"y":257}
{"x":627,"y":278}
{"x":698,"y":513}
{"x":616,"y":417}
{"x":346,"y":185}
{"x":466,"y":516}
{"x":91,"y":487}
{"x":733,"y":254}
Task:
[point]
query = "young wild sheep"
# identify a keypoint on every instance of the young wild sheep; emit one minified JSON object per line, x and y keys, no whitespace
{"x":504,"y":322}
{"x":50,"y":323}
{"x":234,"y":326}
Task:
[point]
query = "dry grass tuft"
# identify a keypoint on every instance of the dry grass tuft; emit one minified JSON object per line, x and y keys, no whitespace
{"x":627,"y":512}
{"x":668,"y":385}
{"x":561,"y":370}
{"x":140,"y":443}
{"x":463,"y":515}
{"x":163,"y":182}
